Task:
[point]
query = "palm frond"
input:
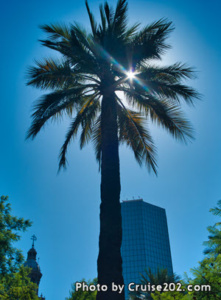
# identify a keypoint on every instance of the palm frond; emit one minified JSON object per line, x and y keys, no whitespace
{"x":56,"y":31}
{"x":51,"y":105}
{"x":88,"y":123}
{"x":76,"y":50}
{"x":130,"y":33}
{"x":164,"y":113}
{"x":120,"y":18}
{"x":171,"y":118}
{"x":51,"y":74}
{"x":57,"y":46}
{"x":82,"y":38}
{"x":58,"y":38}
{"x":170,"y":74}
{"x":72,"y":132}
{"x":150,"y":43}
{"x":172,"y":91}
{"x":92,"y":20}
{"x":97,"y":139}
{"x":109,"y":13}
{"x":81,"y":52}
{"x":160,"y":277}
{"x":134,"y":133}
{"x":103,"y":19}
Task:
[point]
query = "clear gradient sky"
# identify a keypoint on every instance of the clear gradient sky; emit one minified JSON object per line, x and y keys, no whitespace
{"x":65,"y":207}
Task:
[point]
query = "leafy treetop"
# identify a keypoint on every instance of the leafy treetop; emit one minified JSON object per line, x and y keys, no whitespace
{"x":10,"y":226}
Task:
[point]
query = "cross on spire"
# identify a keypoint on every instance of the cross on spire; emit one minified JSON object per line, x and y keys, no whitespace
{"x":33,"y":238}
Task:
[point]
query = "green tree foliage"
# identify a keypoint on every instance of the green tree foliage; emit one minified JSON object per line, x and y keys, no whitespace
{"x":170,"y":296}
{"x":216,"y":210}
{"x":83,"y":295}
{"x":214,"y":242}
{"x":207,"y":274}
{"x":18,"y":286}
{"x":160,"y":278}
{"x":10,"y":226}
{"x":83,"y":83}
{"x":209,"y":270}
{"x":14,"y":281}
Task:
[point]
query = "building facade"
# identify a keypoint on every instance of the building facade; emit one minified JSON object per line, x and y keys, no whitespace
{"x":145,"y":241}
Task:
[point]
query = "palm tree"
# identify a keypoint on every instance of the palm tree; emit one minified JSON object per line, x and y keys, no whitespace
{"x":85,"y":81}
{"x":159,"y":278}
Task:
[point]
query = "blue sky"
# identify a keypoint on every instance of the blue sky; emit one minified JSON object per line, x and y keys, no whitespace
{"x":65,"y":207}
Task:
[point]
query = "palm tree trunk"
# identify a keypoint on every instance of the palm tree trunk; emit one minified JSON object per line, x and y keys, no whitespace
{"x":109,"y":259}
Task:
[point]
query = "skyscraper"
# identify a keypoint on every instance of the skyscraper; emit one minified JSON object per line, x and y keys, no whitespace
{"x":145,"y":240}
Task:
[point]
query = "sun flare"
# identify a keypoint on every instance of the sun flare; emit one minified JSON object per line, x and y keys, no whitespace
{"x":130,"y":74}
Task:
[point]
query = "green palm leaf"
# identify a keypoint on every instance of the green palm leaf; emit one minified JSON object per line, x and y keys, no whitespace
{"x":51,"y":74}
{"x":163,"y":113}
{"x":56,"y":31}
{"x":133,"y":132}
{"x":88,"y":109}
{"x":53,"y":105}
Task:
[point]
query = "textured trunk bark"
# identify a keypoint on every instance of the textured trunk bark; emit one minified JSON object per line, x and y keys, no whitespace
{"x":109,"y":259}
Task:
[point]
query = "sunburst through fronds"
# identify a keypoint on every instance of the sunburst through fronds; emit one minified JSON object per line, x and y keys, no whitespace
{"x":114,"y":58}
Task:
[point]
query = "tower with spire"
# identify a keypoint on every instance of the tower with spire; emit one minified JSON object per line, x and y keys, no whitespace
{"x":31,"y":262}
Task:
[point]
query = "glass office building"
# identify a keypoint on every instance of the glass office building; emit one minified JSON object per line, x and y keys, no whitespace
{"x":145,"y":240}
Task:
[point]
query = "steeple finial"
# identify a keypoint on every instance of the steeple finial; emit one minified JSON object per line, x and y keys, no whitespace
{"x":33,"y":238}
